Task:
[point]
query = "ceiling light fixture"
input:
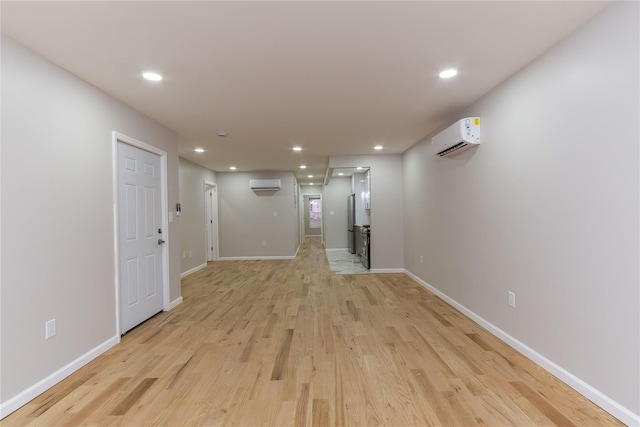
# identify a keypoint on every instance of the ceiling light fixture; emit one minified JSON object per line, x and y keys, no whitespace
{"x":154,"y":77}
{"x":359,"y":168}
{"x":303,"y":166}
{"x":232,"y":168}
{"x":199,"y":150}
{"x":340,"y":174}
{"x":222,"y":134}
{"x":310,"y":176}
{"x":378,"y":147}
{"x":297,"y":148}
{"x":447,"y":74}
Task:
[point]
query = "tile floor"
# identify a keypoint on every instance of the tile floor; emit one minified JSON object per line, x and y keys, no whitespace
{"x":343,"y":262}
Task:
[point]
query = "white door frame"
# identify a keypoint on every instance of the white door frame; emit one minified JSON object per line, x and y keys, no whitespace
{"x":118,"y":137}
{"x":301,"y":217}
{"x":302,"y":207}
{"x":216,"y":255}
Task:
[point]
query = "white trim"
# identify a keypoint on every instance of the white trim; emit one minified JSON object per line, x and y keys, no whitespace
{"x":193,"y":270}
{"x":296,"y":254}
{"x":386,"y":270}
{"x":255,"y":258}
{"x":208,"y":185}
{"x":43,"y":385}
{"x":605,"y":402}
{"x":176,"y":302}
{"x":116,"y":238}
{"x":116,"y":136}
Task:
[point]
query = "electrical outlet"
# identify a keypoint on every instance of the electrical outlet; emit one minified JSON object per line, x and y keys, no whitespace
{"x":264,"y":243}
{"x":421,"y":259}
{"x":275,"y":213}
{"x":50,"y":329}
{"x":512,"y":299}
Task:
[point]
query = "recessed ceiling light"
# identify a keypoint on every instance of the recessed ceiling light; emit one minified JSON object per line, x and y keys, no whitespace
{"x":378,"y":147}
{"x":447,"y":74}
{"x":340,"y":174}
{"x":222,"y":134}
{"x":359,"y":168}
{"x":154,"y":77}
{"x":232,"y":168}
{"x":310,"y":176}
{"x":199,"y":150}
{"x":311,"y":183}
{"x":303,"y":166}
{"x":296,"y":148}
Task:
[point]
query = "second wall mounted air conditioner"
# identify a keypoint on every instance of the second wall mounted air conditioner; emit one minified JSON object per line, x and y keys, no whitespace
{"x":460,"y":136}
{"x":264,"y":184}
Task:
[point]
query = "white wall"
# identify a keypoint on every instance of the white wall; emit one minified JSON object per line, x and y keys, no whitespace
{"x":310,"y":190}
{"x":334,"y":200}
{"x":193,"y":238}
{"x":247,"y":217}
{"x":386,"y":206}
{"x":57,"y":218}
{"x":547,"y":207}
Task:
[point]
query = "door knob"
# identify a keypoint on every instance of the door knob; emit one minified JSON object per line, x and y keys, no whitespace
{"x":160,"y":241}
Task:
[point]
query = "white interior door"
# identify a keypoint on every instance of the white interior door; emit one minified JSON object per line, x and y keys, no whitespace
{"x":140,"y":235}
{"x":211,"y":226}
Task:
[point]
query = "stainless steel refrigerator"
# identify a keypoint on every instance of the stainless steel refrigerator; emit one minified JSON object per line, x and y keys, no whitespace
{"x":351,"y":219}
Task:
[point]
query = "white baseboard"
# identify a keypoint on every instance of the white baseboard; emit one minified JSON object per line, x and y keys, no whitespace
{"x":176,"y":302}
{"x":255,"y":258}
{"x":386,"y":270}
{"x":605,"y":402}
{"x":193,"y":270}
{"x":43,"y":385}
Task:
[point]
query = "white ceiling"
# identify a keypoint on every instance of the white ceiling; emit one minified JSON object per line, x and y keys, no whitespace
{"x":333,"y":77}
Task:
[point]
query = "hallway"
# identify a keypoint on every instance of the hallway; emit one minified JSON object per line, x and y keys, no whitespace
{"x":284,"y":342}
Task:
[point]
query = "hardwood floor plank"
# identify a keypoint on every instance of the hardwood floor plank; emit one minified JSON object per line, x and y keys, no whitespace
{"x":99,"y":401}
{"x":556,"y":417}
{"x":283,"y":356}
{"x":320,"y":413}
{"x":301,"y":406}
{"x":286,"y":343}
{"x":133,"y":397}
{"x":52,"y":396}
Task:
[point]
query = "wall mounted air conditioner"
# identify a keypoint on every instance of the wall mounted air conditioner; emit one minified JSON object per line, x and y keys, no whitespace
{"x":460,"y":136}
{"x":264,"y":184}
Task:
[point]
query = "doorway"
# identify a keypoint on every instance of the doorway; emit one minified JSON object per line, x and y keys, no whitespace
{"x":140,"y":231}
{"x":211,"y":220}
{"x":312,"y":215}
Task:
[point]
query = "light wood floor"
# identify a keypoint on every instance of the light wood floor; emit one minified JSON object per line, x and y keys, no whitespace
{"x":280,"y":343}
